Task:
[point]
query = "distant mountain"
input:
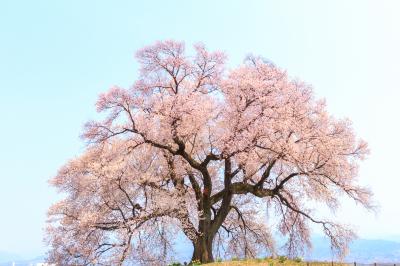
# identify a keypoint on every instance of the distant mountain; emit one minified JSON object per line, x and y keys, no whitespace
{"x":22,"y":262}
{"x":7,"y":256}
{"x":361,"y":250}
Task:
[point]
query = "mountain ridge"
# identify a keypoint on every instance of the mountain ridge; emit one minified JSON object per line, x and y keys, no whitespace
{"x":361,"y":251}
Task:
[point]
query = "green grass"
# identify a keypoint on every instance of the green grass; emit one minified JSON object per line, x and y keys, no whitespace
{"x":272,"y":262}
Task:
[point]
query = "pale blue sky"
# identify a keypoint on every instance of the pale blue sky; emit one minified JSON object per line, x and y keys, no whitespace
{"x":57,"y":56}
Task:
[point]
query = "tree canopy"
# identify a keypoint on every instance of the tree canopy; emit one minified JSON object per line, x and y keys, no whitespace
{"x":197,"y":148}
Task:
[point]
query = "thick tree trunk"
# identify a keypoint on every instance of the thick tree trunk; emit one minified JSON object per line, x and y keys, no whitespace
{"x":208,"y":227}
{"x":202,"y":249}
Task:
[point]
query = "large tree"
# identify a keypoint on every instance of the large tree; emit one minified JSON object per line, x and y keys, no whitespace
{"x":195,"y":148}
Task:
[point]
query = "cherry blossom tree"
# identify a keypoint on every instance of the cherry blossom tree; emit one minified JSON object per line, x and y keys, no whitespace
{"x":195,"y":148}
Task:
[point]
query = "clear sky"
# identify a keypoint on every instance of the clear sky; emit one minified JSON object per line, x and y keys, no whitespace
{"x":57,"y":56}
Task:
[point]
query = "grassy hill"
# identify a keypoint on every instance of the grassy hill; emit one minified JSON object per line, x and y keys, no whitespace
{"x":271,"y":262}
{"x":260,"y":262}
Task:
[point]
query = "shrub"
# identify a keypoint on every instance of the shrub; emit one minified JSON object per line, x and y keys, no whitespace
{"x":298,"y":259}
{"x":282,"y":259}
{"x":196,"y":263}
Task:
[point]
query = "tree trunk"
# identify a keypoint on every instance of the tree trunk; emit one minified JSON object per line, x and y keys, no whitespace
{"x":202,"y":249}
